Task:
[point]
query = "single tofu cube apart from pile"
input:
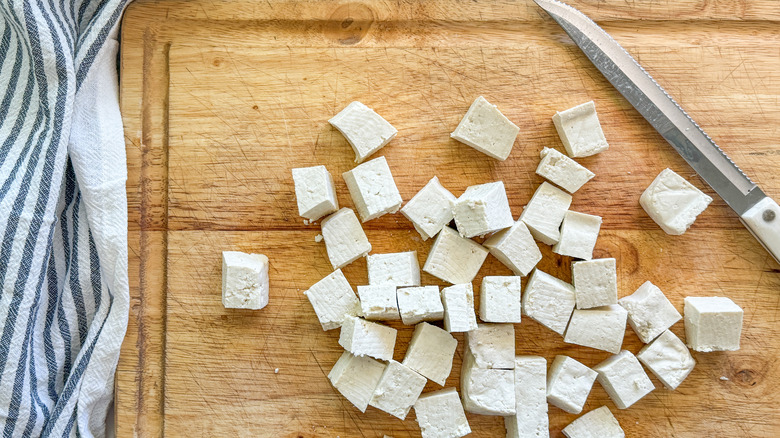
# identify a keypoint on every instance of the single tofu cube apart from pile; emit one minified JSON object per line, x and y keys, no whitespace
{"x":568,"y":384}
{"x":492,"y":345}
{"x":482,"y":209}
{"x":315,"y":192}
{"x":595,"y":282}
{"x":454,"y":259}
{"x":486,"y":391}
{"x":244,"y":280}
{"x":500,"y":299}
{"x":398,"y":269}
{"x":344,"y":238}
{"x":580,"y":130}
{"x":549,"y":301}
{"x":668,"y":358}
{"x":598,"y":423}
{"x":366,"y":338}
{"x":430,"y":209}
{"x":601,"y":328}
{"x":487,"y":130}
{"x":579,"y":232}
{"x":430,"y":352}
{"x":379,"y":302}
{"x":673,"y":203}
{"x":531,"y":418}
{"x":365,"y":130}
{"x":624,"y":379}
{"x":373,"y":189}
{"x":516,"y":248}
{"x":333,"y":299}
{"x":458,"y":301}
{"x":650,"y":313}
{"x":356,"y":378}
{"x":398,"y":390}
{"x":440,"y":415}
{"x":419,"y":303}
{"x":545,"y":211}
{"x":562,"y":170}
{"x":712,"y":324}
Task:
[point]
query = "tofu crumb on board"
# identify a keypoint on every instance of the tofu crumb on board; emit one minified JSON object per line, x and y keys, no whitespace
{"x":650,"y":313}
{"x":379,"y":302}
{"x":453,"y":258}
{"x":492,"y":345}
{"x":580,"y":130}
{"x":430,"y":352}
{"x":602,"y":328}
{"x":430,"y":209}
{"x":482,"y":209}
{"x":516,"y":248}
{"x":487,"y":130}
{"x":595,"y":282}
{"x":244,"y":280}
{"x":673,"y":203}
{"x":668,"y":358}
{"x":530,"y":419}
{"x":365,"y":130}
{"x":712,"y":324}
{"x":486,"y":391}
{"x":545,"y":211}
{"x":624,"y":379}
{"x":598,"y":423}
{"x":568,"y":384}
{"x":562,"y":170}
{"x":397,"y":269}
{"x":397,"y":390}
{"x":458,"y":301}
{"x":500,"y":299}
{"x":419,"y":303}
{"x":579,"y":232}
{"x":549,"y":301}
{"x":344,"y":238}
{"x":366,"y":338}
{"x":315,"y":192}
{"x":332,"y":299}
{"x":372,"y":188}
{"x":356,"y":378}
{"x":440,"y":415}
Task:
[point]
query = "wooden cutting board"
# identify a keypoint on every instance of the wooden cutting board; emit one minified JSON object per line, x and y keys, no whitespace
{"x":222,"y":98}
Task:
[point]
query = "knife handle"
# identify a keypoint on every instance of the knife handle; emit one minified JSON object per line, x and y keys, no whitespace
{"x":763,"y":221}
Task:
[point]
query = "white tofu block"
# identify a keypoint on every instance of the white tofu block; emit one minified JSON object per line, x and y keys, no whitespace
{"x":454,"y":259}
{"x":598,"y":423}
{"x":579,"y":232}
{"x":500,"y":299}
{"x":492,"y":345}
{"x":440,"y":415}
{"x":624,"y":379}
{"x":516,"y":248}
{"x":545,"y":211}
{"x":244,"y":280}
{"x":712,"y":324}
{"x":430,"y":352}
{"x":482,"y":209}
{"x":365,"y":130}
{"x":580,"y":130}
{"x":356,"y":378}
{"x":344,"y":238}
{"x":673,"y":203}
{"x":650,"y":313}
{"x":562,"y":170}
{"x":333,"y":299}
{"x":397,"y":390}
{"x":595,"y":282}
{"x":458,"y":303}
{"x":549,"y":301}
{"x":601,"y":328}
{"x":487,"y":130}
{"x":315,"y":192}
{"x":668,"y":358}
{"x":366,"y":338}
{"x":419,"y":303}
{"x":398,"y":269}
{"x":530,"y":420}
{"x":373,"y":189}
{"x":486,"y":391}
{"x":568,"y":384}
{"x":430,"y":209}
{"x":379,"y":302}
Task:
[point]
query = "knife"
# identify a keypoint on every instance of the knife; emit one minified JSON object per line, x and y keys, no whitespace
{"x":758,"y":212}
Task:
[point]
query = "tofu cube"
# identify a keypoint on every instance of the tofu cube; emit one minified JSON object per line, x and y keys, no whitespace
{"x":314,"y":192}
{"x":650,"y":313}
{"x":598,"y":423}
{"x":398,"y":269}
{"x":458,"y":301}
{"x":500,"y":299}
{"x":487,"y":130}
{"x":712,"y":324}
{"x":379,"y":302}
{"x":580,"y":130}
{"x":624,"y":379}
{"x":549,"y":301}
{"x":454,"y":259}
{"x":579,"y":232}
{"x":344,"y":238}
{"x":595,"y":282}
{"x":562,"y":170}
{"x":373,"y":189}
{"x":440,"y":415}
{"x":419,"y":303}
{"x":430,"y":209}
{"x":668,"y":358}
{"x":673,"y":203}
{"x":332,"y":299}
{"x":482,"y":209}
{"x":486,"y":391}
{"x":365,"y":130}
{"x":492,"y":345}
{"x":531,"y":418}
{"x":244,"y":280}
{"x":430,"y":352}
{"x":544,"y":213}
{"x":516,"y":248}
{"x":568,"y":384}
{"x":356,"y":378}
{"x":601,"y":328}
{"x":398,"y":390}
{"x":366,"y":338}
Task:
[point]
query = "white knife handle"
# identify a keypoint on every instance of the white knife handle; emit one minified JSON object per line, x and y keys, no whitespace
{"x":763,"y":221}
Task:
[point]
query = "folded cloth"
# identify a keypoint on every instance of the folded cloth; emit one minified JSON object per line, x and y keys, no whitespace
{"x":63,"y":216}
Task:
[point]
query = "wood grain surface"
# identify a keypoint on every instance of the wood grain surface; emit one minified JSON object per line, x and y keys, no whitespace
{"x":221,"y":99}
